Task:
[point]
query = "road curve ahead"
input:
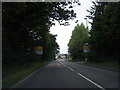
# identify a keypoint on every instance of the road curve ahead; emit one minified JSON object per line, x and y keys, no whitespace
{"x":63,"y":74}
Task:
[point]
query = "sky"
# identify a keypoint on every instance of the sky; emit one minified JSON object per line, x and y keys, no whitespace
{"x":64,"y":32}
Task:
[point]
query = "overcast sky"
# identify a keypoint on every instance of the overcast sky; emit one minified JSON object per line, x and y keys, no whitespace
{"x":64,"y":32}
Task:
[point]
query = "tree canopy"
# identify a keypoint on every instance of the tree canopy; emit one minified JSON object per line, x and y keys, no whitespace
{"x":26,"y":25}
{"x":105,"y":32}
{"x":78,"y":38}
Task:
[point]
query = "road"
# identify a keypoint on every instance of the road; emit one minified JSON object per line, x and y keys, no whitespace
{"x":64,"y":74}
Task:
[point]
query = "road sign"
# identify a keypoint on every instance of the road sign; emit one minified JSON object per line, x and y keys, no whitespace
{"x":86,"y":49}
{"x":39,"y":50}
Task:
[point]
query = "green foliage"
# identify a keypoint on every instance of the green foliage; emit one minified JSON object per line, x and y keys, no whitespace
{"x":26,"y":25}
{"x":78,"y":38}
{"x":105,"y":32}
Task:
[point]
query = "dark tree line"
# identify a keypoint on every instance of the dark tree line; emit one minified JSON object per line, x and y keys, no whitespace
{"x":105,"y":33}
{"x":26,"y":25}
{"x":104,"y":36}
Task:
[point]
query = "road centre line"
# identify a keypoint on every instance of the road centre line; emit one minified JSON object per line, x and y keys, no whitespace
{"x":70,"y":68}
{"x":91,"y":81}
{"x":86,"y":78}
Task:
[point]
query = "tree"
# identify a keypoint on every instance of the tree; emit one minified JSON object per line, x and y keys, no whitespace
{"x":78,"y":38}
{"x":104,"y":40}
{"x":26,"y":25}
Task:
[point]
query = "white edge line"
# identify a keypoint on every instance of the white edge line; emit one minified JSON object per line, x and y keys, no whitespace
{"x":14,"y":86}
{"x":91,"y":81}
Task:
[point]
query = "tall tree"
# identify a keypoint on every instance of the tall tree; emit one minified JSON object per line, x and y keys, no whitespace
{"x":78,"y":38}
{"x":105,"y":36}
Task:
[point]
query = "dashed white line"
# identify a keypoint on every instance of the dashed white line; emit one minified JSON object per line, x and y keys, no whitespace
{"x":91,"y":81}
{"x":70,"y":68}
{"x":86,"y":78}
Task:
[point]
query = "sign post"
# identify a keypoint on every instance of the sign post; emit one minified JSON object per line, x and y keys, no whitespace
{"x":39,"y":50}
{"x":86,"y":50}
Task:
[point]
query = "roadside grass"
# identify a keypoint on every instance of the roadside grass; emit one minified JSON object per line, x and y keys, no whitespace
{"x":14,"y":75}
{"x":113,"y":64}
{"x":106,"y":63}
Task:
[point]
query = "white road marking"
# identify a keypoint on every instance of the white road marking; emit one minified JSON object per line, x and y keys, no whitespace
{"x":91,"y":81}
{"x":67,"y":67}
{"x":70,"y":68}
{"x":21,"y":81}
{"x":86,"y":78}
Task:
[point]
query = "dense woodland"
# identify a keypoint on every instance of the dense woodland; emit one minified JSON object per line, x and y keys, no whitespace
{"x":26,"y":25}
{"x":104,"y":36}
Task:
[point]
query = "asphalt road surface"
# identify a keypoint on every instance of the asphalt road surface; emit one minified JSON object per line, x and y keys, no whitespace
{"x":64,"y":74}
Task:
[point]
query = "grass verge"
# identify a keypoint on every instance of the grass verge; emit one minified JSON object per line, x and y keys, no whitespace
{"x":14,"y":75}
{"x":106,"y":63}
